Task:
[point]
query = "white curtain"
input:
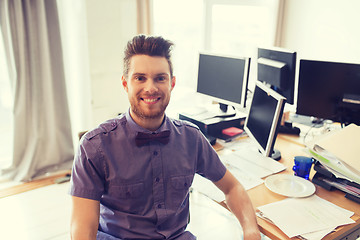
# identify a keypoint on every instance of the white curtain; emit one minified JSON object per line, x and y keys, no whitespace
{"x":42,"y":129}
{"x":144,"y":16}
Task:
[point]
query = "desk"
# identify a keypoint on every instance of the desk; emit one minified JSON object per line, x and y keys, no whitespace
{"x":289,"y":147}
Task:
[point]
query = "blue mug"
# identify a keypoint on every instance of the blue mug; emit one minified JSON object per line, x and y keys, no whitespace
{"x":302,"y":166}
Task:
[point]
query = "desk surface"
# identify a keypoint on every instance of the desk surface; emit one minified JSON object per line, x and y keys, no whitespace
{"x":289,"y":147}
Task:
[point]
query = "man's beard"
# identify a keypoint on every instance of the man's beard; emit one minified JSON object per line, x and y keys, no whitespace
{"x":137,"y":110}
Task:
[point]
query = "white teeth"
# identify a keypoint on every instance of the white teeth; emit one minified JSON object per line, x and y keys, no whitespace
{"x":149,"y":100}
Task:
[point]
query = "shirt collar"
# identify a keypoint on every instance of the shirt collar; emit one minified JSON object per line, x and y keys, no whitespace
{"x":133,"y":125}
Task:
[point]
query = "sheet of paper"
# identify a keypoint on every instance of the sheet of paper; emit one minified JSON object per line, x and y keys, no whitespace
{"x":318,"y":234}
{"x":252,"y":162}
{"x":308,"y":236}
{"x":298,"y":216}
{"x":248,"y":181}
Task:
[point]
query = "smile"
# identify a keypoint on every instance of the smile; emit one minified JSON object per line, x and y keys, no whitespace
{"x":150,"y":100}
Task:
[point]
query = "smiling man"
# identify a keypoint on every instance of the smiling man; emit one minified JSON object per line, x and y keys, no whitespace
{"x":148,"y":83}
{"x":132,"y":174}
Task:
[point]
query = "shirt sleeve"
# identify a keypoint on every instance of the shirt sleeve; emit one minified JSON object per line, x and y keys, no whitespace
{"x":87,"y":178}
{"x":209,"y":164}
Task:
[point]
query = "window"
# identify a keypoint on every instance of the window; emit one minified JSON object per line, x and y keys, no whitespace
{"x":181,"y":22}
{"x":229,"y":27}
{"x":236,"y":29}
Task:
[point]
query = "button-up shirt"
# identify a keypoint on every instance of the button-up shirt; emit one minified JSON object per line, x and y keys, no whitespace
{"x":143,"y":191}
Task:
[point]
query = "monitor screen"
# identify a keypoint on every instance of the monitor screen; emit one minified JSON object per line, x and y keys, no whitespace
{"x":276,"y":67}
{"x":264,"y":117}
{"x":224,"y":78}
{"x":329,"y":90}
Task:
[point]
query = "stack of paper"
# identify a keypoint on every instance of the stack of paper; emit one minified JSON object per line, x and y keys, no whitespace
{"x":311,"y":218}
{"x":339,"y":151}
{"x":253,"y":162}
{"x":248,"y":167}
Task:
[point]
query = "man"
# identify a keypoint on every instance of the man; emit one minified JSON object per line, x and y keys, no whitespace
{"x":132,"y":174}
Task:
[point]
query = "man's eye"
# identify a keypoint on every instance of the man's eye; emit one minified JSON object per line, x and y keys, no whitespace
{"x":140,"y":78}
{"x":161,"y":78}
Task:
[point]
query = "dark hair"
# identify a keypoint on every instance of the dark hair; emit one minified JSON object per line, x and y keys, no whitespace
{"x":147,"y":45}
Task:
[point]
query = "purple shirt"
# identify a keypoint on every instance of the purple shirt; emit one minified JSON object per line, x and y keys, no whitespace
{"x":143,"y":191}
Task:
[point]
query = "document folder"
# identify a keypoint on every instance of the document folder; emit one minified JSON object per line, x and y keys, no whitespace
{"x":327,"y":180}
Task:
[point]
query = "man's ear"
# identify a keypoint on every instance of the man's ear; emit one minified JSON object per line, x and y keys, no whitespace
{"x":173,"y":81}
{"x":124,"y":83}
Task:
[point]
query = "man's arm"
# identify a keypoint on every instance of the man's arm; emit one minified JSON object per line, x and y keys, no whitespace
{"x":239,"y":203}
{"x":84,"y":218}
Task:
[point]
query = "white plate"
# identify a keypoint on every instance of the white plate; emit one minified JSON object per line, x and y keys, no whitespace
{"x":289,"y":185}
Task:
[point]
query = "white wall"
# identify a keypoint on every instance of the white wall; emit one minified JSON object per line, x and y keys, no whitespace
{"x":322,"y":29}
{"x":110,"y":24}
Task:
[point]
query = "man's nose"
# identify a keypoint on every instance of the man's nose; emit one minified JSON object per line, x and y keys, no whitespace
{"x":151,"y":86}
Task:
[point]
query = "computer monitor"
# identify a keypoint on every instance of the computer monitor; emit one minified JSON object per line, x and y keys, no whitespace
{"x":329,"y":90}
{"x":263,"y":119}
{"x":276,"y":67}
{"x":224,"y":78}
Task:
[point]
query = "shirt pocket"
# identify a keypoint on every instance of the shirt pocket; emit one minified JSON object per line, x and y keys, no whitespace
{"x":180,"y":190}
{"x":128,"y":198}
{"x":133,"y":190}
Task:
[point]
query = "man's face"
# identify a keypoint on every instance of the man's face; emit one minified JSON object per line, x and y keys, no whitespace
{"x":149,"y":86}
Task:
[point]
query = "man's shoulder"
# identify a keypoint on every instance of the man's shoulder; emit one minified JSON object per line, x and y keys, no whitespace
{"x":184,"y":124}
{"x":106,"y":127}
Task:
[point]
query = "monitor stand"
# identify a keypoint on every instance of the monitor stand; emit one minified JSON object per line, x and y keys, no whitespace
{"x":223,"y":111}
{"x":276,"y":155}
{"x":212,"y":111}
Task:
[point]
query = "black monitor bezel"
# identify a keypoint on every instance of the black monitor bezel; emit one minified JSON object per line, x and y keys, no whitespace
{"x":289,"y":58}
{"x":276,"y":119}
{"x":324,"y":97}
{"x":245,"y":80}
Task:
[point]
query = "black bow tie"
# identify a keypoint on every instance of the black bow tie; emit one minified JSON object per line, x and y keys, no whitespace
{"x":144,"y":138}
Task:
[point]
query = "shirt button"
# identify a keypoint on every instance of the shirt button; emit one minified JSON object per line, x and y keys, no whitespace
{"x":157,"y":179}
{"x":159,"y":205}
{"x":155,"y":153}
